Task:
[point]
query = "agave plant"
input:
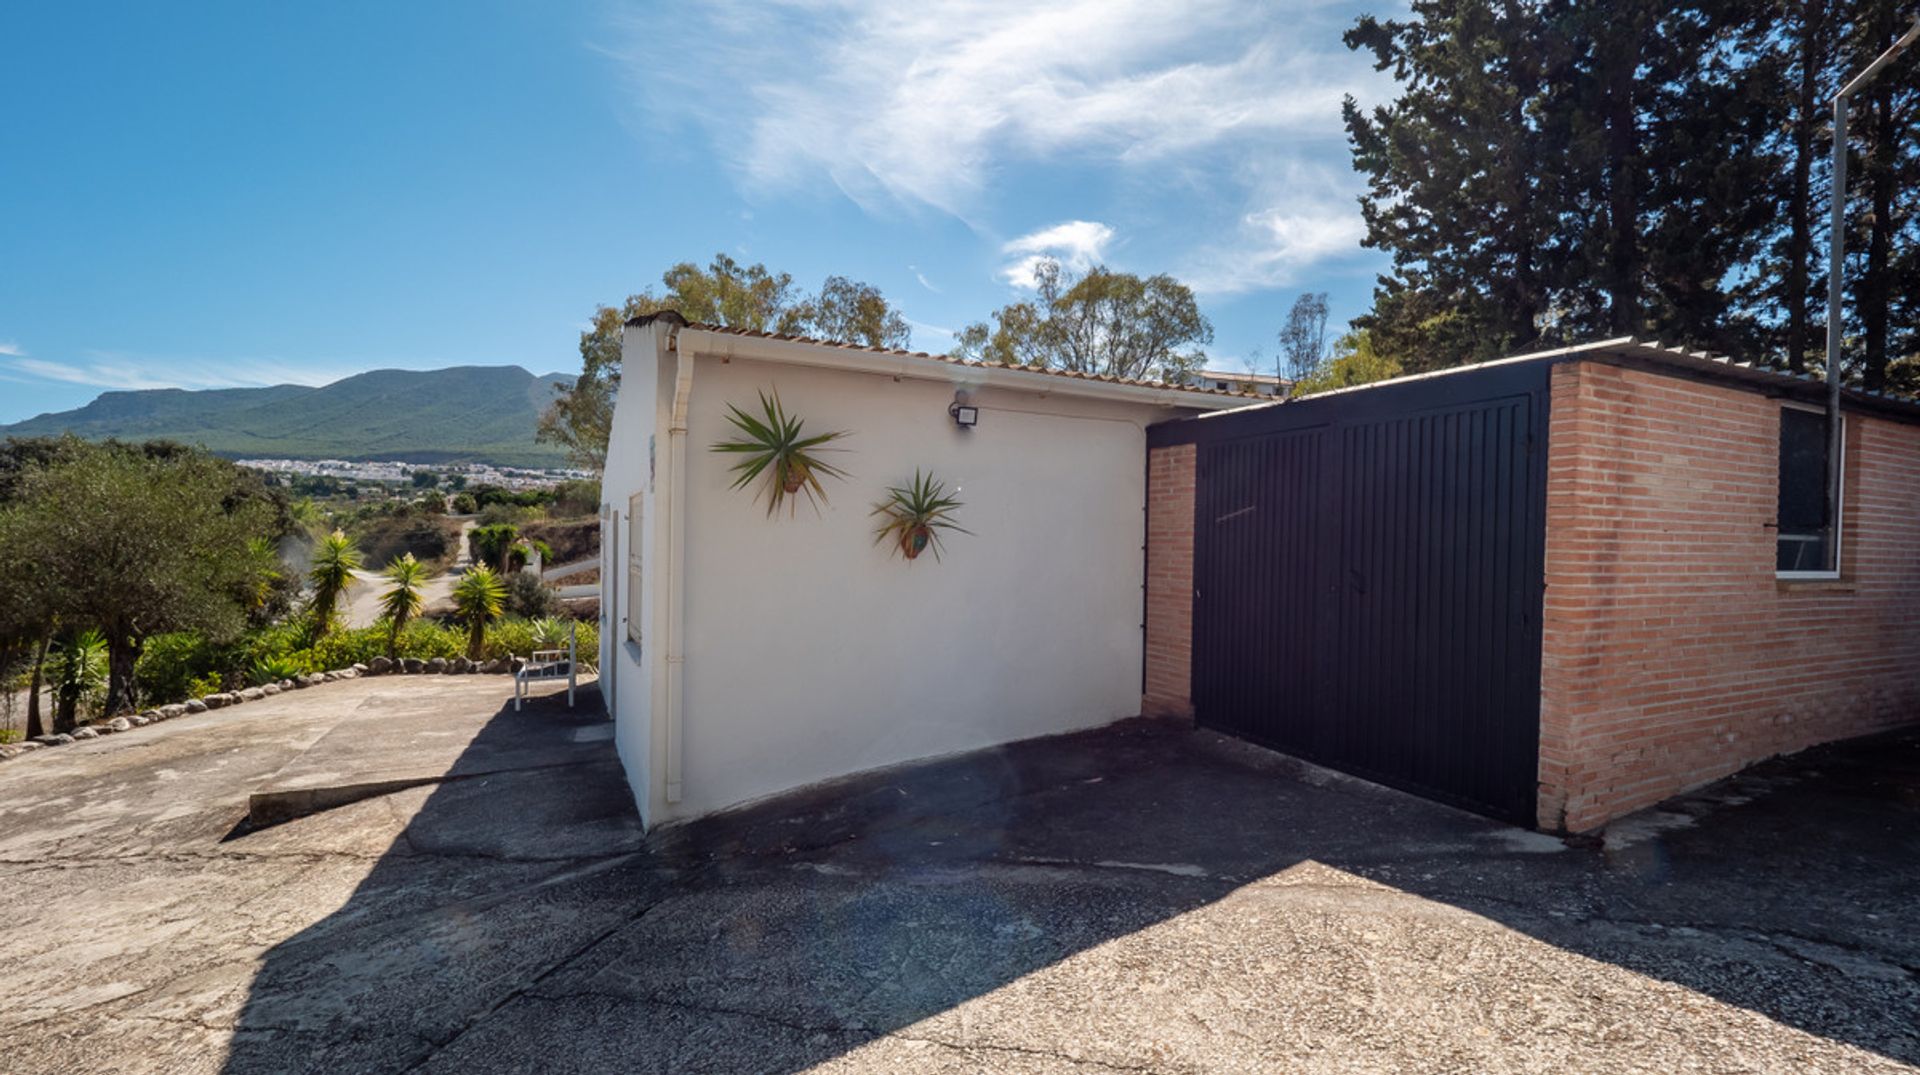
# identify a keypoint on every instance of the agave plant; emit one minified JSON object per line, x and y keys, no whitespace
{"x":479,"y":596}
{"x":912,"y":516}
{"x":548,"y":632}
{"x":403,"y":599}
{"x":772,"y":444}
{"x":274,"y":669}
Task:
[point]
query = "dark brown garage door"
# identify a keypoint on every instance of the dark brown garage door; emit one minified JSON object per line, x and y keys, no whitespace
{"x":1367,"y":573}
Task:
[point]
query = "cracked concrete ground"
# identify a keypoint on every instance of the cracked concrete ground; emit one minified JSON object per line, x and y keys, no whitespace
{"x":1135,"y":899}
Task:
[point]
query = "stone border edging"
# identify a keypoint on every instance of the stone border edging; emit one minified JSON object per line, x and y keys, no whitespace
{"x":379,"y":666}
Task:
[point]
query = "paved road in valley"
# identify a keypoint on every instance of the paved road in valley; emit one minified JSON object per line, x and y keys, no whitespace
{"x":362,"y":606}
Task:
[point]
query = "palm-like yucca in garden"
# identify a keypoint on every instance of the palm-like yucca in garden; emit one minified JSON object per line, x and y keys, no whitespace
{"x":335,"y":559}
{"x":479,"y":597}
{"x":77,"y":666}
{"x":403,"y":600}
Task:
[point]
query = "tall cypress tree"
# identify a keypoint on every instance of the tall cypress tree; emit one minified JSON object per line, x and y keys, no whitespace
{"x":1884,"y":195}
{"x":1455,"y":191}
{"x":1554,"y":171}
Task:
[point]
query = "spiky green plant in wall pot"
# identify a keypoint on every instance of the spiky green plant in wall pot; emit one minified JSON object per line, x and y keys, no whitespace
{"x":773,"y":443}
{"x":913,"y":516}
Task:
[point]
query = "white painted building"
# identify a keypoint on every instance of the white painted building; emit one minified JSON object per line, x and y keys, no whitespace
{"x":744,"y":655}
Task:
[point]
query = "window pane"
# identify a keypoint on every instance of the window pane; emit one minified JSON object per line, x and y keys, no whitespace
{"x":1803,"y":491}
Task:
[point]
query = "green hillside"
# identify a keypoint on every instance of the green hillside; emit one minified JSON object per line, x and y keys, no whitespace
{"x":462,"y":414}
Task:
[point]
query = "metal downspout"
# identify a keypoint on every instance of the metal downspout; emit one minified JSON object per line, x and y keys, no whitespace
{"x":676,"y":561}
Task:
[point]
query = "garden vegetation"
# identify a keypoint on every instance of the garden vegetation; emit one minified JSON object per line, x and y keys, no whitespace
{"x":137,"y":575}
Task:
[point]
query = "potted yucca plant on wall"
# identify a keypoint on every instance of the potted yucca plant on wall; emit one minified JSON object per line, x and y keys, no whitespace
{"x":912,"y":516}
{"x":772,"y":443}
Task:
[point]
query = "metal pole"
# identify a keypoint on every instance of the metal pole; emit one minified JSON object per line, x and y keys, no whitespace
{"x":1836,"y":254}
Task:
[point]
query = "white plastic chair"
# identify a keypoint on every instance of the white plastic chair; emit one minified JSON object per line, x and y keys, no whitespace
{"x":547,"y":664}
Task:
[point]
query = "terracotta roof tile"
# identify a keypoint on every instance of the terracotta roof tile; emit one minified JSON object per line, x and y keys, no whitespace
{"x":950,"y":360}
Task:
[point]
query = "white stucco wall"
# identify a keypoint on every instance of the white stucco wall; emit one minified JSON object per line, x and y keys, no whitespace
{"x":627,"y":676}
{"x":812,"y":653}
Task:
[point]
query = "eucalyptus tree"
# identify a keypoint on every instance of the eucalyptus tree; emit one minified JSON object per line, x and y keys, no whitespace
{"x":725,"y":293}
{"x":1103,"y":322}
{"x":1303,"y":339}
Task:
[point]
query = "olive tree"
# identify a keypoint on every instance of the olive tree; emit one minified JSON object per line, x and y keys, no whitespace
{"x":141,"y":541}
{"x":26,"y":617}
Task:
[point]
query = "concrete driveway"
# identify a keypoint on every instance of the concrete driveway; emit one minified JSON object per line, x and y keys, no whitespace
{"x":1135,"y":899}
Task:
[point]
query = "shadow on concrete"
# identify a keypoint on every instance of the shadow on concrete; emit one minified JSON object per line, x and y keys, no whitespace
{"x":520,"y":922}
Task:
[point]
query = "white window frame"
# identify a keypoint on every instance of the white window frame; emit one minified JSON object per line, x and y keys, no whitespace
{"x":609,"y":605}
{"x":1839,"y":508}
{"x":636,"y":511}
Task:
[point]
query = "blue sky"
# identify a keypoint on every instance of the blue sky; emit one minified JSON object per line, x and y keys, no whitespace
{"x":223,"y":194}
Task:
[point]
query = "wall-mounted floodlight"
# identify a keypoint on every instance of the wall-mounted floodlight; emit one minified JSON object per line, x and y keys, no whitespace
{"x":965,"y":414}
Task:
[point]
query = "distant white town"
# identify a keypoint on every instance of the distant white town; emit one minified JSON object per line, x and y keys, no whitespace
{"x":393,"y":471}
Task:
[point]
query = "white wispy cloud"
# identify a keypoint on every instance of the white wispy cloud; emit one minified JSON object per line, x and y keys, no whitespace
{"x":922,"y":102}
{"x":922,"y":277}
{"x":110,"y":370}
{"x":936,"y":330}
{"x":1297,"y":219}
{"x":1077,"y":245}
{"x":8,"y":347}
{"x":1214,"y":125}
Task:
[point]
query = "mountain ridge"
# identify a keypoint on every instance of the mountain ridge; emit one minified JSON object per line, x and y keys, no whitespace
{"x":471,"y":414}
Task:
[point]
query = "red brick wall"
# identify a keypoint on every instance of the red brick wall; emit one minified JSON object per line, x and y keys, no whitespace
{"x":1169,"y":582}
{"x":1672,"y":656}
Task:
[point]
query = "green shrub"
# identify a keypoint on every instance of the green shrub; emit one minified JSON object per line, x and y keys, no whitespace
{"x":569,"y":540}
{"x":518,"y":637}
{"x":200,"y":687}
{"x":587,"y":644}
{"x":427,"y":640}
{"x":384,"y":540}
{"x":170,"y":664}
{"x":500,"y":514}
{"x":281,"y":640}
{"x":175,"y":667}
{"x":530,"y":598}
{"x":345,"y":648}
{"x":576,"y":497}
{"x":508,"y":638}
{"x":489,"y":544}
